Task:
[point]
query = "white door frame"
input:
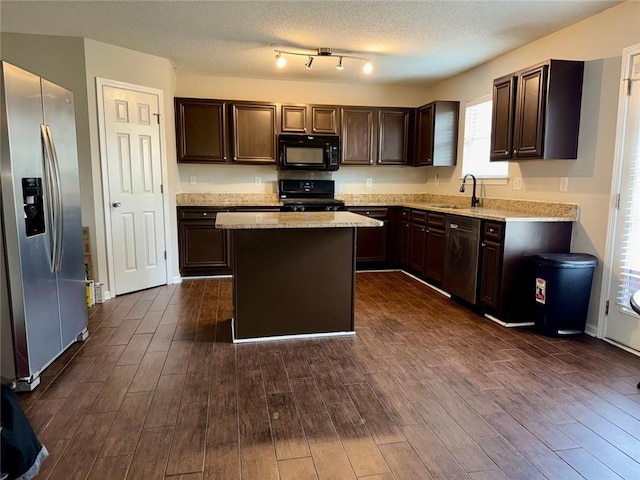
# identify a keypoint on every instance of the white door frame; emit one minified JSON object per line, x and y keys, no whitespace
{"x":616,"y":181}
{"x":104,"y":82}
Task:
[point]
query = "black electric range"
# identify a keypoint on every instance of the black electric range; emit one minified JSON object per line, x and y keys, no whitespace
{"x":308,"y":196}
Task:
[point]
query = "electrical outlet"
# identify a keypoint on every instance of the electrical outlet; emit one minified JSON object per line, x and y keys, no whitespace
{"x":257,"y":180}
{"x":517,"y":183}
{"x":193,"y":179}
{"x":436,"y":180}
{"x":564,"y":184}
{"x":369,"y":182}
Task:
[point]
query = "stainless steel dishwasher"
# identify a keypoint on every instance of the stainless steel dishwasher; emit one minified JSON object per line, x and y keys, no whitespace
{"x":461,"y":253}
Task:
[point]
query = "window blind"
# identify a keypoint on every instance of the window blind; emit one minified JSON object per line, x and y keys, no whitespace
{"x":477,"y":141}
{"x":629,"y":213}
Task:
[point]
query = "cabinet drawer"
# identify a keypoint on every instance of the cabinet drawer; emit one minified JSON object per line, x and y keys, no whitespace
{"x":199,"y":213}
{"x":435,"y":220}
{"x":419,"y":217}
{"x":493,"y":231}
{"x":375,"y":212}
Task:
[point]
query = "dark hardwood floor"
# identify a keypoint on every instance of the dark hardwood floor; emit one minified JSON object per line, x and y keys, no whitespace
{"x":426,"y":389}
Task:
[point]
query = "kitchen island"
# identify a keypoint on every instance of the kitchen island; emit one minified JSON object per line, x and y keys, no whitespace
{"x":293,"y":272}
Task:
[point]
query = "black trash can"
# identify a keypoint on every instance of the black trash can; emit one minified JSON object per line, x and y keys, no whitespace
{"x":562,"y":290}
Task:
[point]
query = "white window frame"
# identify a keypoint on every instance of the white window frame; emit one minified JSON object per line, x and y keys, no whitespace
{"x":496,"y":171}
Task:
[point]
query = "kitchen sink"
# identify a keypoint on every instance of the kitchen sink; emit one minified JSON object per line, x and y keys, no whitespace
{"x":443,"y":205}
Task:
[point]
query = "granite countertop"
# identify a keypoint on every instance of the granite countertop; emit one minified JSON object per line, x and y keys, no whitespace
{"x":500,"y":215}
{"x":249,"y":220}
{"x":498,"y":209}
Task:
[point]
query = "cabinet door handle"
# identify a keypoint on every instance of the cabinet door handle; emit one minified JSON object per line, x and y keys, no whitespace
{"x":483,"y":244}
{"x":491,"y":230}
{"x":427,"y":230}
{"x":506,"y":152}
{"x":515,"y":151}
{"x":204,"y":214}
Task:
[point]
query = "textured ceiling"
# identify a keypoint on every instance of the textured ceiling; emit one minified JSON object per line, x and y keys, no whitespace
{"x":409,"y":42}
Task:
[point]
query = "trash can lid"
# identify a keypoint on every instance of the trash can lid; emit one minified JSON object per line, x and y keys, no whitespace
{"x":566,"y":260}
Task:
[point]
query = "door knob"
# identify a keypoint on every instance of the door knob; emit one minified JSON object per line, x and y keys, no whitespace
{"x":116,"y":204}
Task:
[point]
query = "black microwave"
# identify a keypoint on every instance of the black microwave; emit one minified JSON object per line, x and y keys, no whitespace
{"x":308,"y":152}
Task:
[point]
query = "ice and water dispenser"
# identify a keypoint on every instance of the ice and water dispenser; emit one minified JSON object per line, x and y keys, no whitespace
{"x":33,"y":206}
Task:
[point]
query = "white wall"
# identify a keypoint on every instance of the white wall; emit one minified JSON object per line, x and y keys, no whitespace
{"x":236,"y":178}
{"x":115,"y":63}
{"x":598,"y":41}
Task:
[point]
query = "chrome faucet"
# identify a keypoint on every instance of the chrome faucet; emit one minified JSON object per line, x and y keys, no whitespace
{"x":475,"y":201}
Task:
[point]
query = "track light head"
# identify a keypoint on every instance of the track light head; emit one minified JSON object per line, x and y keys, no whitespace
{"x":281,"y":61}
{"x":340,"y":66}
{"x":367,"y":68}
{"x":309,"y":64}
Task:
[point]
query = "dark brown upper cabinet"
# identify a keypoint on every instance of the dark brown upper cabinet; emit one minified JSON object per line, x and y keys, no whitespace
{"x":310,"y":119}
{"x":536,"y":112}
{"x":294,"y":119}
{"x":437,"y":134}
{"x":393,"y":136}
{"x":357,"y":139}
{"x":504,"y":91}
{"x":253,"y":130}
{"x":376,"y":136}
{"x":201,"y":130}
{"x":324,"y":120}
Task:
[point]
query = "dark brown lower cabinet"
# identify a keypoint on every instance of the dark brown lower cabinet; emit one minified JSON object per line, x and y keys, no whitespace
{"x":490,"y":277}
{"x":371,"y":242}
{"x":418,"y":248}
{"x":434,"y":258}
{"x":204,"y":250}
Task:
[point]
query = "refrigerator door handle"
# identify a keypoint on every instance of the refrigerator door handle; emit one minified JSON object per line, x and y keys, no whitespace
{"x":59,"y":205}
{"x":51,"y":207}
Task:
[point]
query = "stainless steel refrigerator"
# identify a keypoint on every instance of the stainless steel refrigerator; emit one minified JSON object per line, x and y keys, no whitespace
{"x":43,"y":282}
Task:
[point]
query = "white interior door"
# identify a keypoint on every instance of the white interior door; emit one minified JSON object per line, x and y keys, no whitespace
{"x":134,"y":161}
{"x":623,"y":325}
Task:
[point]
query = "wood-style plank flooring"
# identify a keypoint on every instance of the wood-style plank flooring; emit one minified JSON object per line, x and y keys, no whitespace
{"x":425,"y":390}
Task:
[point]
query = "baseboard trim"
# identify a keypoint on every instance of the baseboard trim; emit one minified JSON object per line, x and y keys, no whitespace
{"x":440,"y":291}
{"x":288,"y":337}
{"x":622,"y":346}
{"x":508,"y":325}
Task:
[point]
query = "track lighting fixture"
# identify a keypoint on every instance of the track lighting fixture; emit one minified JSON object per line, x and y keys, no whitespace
{"x":281,"y":61}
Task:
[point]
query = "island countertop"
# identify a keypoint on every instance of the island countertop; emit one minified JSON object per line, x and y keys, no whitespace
{"x":266,"y":220}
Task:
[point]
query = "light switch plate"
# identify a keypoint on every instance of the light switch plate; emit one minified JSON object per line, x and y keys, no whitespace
{"x":257,"y":180}
{"x":436,"y":180}
{"x":564,"y":184}
{"x":193,"y":179}
{"x":369,"y":182}
{"x":517,"y":183}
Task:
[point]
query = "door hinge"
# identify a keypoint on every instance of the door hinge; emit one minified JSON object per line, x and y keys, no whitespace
{"x":165,"y":254}
{"x":162,"y":188}
{"x":606,"y":308}
{"x":617,"y":201}
{"x":157,"y":115}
